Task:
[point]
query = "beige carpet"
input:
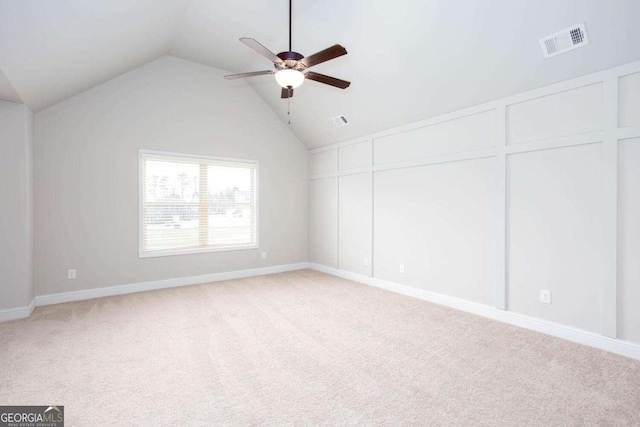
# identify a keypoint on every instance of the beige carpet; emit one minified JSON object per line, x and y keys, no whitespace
{"x":303,"y":348}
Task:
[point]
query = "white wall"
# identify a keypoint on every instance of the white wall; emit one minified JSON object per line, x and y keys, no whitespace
{"x":450,"y":136}
{"x":356,"y":223}
{"x":629,"y":238}
{"x":629,"y":100}
{"x":491,"y":204}
{"x":16,"y":202}
{"x":86,"y":163}
{"x":323,"y":221}
{"x":553,"y":234}
{"x":432,"y":219}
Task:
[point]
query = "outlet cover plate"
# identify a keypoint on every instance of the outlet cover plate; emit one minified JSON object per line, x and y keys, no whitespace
{"x":545,"y":296}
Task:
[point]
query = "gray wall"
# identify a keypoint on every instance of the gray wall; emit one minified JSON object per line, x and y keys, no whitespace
{"x":86,"y":183}
{"x":16,"y":213}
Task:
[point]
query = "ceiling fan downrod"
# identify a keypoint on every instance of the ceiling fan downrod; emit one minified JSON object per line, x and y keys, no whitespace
{"x":290,"y":26}
{"x":290,"y":55}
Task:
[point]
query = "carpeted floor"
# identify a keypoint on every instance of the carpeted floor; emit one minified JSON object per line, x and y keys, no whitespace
{"x":303,"y":348}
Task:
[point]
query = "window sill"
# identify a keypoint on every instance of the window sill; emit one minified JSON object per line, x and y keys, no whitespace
{"x":142,"y":254}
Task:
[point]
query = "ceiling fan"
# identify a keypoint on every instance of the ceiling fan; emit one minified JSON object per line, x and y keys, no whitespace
{"x":291,"y":67}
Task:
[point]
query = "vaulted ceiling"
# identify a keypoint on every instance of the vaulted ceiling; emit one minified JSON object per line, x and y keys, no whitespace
{"x":408,"y":59}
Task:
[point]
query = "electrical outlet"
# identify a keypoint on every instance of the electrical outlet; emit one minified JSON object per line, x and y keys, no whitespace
{"x":401,"y":269}
{"x":264,"y":255}
{"x":545,"y":296}
{"x":366,"y":261}
{"x":71,"y":274}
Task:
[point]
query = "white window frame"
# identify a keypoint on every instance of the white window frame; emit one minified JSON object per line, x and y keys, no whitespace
{"x":142,"y":253}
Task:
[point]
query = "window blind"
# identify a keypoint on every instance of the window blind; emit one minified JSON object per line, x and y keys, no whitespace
{"x":196,"y":204}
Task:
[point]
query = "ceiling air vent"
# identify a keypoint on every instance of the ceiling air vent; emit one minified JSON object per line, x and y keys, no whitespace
{"x":340,"y":121}
{"x":563,"y":41}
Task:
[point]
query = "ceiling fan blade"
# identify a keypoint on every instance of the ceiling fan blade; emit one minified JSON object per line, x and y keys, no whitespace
{"x":251,"y":74}
{"x":286,"y":93}
{"x":261,"y":49}
{"x":324,"y":55}
{"x":328,"y":80}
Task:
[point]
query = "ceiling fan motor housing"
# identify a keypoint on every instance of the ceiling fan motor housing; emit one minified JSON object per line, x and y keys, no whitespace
{"x":290,"y":60}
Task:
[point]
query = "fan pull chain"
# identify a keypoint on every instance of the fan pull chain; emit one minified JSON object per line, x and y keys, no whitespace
{"x":289,"y":110}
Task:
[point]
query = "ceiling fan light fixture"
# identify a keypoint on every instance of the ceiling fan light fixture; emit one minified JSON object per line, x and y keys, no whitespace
{"x":289,"y":78}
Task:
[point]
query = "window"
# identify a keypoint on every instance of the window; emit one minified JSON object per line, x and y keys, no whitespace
{"x":191,"y":204}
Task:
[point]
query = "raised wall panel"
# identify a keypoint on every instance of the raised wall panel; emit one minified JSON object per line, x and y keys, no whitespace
{"x":629,"y":240}
{"x":629,"y":100}
{"x":468,"y":133}
{"x":355,"y":156}
{"x":571,"y":112}
{"x":437,"y":220}
{"x":554,"y":240}
{"x":355,"y":223}
{"x":323,"y":162}
{"x":544,"y":219}
{"x":323,"y":221}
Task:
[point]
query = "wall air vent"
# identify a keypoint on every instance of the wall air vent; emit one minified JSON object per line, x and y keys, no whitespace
{"x":563,"y":41}
{"x":340,"y":121}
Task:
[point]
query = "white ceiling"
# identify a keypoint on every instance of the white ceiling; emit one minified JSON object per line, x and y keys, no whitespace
{"x":408,"y":59}
{"x":7,"y":92}
{"x":51,"y":50}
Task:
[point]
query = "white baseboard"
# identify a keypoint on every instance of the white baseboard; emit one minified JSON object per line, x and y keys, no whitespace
{"x":161,"y":284}
{"x":580,"y":336}
{"x":17,"y":313}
